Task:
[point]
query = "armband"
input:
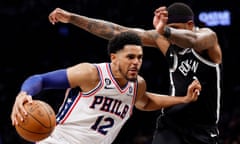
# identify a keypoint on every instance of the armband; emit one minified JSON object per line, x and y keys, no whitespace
{"x":167,"y":32}
{"x":51,"y":80}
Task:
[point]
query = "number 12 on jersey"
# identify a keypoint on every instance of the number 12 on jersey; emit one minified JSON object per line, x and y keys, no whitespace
{"x":102,"y":124}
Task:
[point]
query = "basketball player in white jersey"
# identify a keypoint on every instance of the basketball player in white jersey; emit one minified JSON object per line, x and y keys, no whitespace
{"x":191,"y":52}
{"x":100,"y":97}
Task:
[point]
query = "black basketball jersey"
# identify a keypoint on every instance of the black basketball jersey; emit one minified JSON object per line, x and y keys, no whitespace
{"x":186,"y":65}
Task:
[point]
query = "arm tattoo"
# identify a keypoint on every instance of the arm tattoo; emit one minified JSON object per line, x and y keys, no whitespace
{"x":100,"y":28}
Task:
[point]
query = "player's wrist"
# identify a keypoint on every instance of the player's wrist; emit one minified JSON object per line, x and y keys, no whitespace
{"x":186,"y":99}
{"x":167,"y":32}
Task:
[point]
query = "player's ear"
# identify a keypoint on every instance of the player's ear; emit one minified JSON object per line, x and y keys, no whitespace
{"x":190,"y":24}
{"x":113,"y":56}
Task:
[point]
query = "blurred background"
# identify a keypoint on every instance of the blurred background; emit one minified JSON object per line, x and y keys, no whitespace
{"x":30,"y":45}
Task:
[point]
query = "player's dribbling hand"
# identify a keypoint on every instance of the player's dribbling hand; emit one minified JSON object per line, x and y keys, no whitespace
{"x":193,"y":91}
{"x":59,"y":15}
{"x":18,"y":111}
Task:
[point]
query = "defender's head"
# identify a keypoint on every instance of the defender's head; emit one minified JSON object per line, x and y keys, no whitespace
{"x":180,"y":15}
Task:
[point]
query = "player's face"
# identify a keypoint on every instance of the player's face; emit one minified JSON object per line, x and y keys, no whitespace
{"x":129,"y":61}
{"x":188,"y":25}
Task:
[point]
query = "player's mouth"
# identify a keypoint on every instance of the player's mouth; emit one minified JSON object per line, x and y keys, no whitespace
{"x":133,"y":71}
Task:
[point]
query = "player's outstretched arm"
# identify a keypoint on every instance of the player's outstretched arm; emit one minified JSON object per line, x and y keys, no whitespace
{"x":157,"y":101}
{"x":101,"y":28}
{"x":32,"y":86}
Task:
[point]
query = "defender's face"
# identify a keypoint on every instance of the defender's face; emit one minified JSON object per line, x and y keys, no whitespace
{"x":129,"y":61}
{"x":188,"y":25}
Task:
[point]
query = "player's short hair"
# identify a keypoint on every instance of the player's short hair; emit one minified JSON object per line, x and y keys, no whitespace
{"x":179,"y":13}
{"x":120,"y":40}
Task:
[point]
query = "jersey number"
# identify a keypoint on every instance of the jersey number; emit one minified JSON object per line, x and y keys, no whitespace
{"x":108,"y":123}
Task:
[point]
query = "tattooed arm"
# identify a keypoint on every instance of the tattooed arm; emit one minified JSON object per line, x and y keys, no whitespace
{"x":102,"y":28}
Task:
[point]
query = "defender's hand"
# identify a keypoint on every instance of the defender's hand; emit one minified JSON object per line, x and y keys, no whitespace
{"x":193,"y":91}
{"x":160,"y":19}
{"x":59,"y":15}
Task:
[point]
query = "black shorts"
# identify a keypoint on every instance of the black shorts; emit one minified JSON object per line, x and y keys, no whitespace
{"x":169,"y":133}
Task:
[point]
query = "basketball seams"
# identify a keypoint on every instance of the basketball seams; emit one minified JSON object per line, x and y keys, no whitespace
{"x":27,"y":130}
{"x":36,"y":118}
{"x":40,"y":122}
{"x":49,"y":112}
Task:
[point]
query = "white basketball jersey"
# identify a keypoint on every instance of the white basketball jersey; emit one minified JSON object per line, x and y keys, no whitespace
{"x":97,"y":116}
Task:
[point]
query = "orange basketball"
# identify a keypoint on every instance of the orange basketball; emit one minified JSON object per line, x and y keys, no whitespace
{"x":39,"y":123}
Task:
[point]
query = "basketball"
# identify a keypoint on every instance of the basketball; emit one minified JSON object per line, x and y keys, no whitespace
{"x":39,"y":123}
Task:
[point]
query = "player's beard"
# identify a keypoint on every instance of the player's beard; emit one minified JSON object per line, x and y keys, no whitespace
{"x":125,"y":75}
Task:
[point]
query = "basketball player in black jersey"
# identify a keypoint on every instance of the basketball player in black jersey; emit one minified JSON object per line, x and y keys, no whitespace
{"x":192,"y":53}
